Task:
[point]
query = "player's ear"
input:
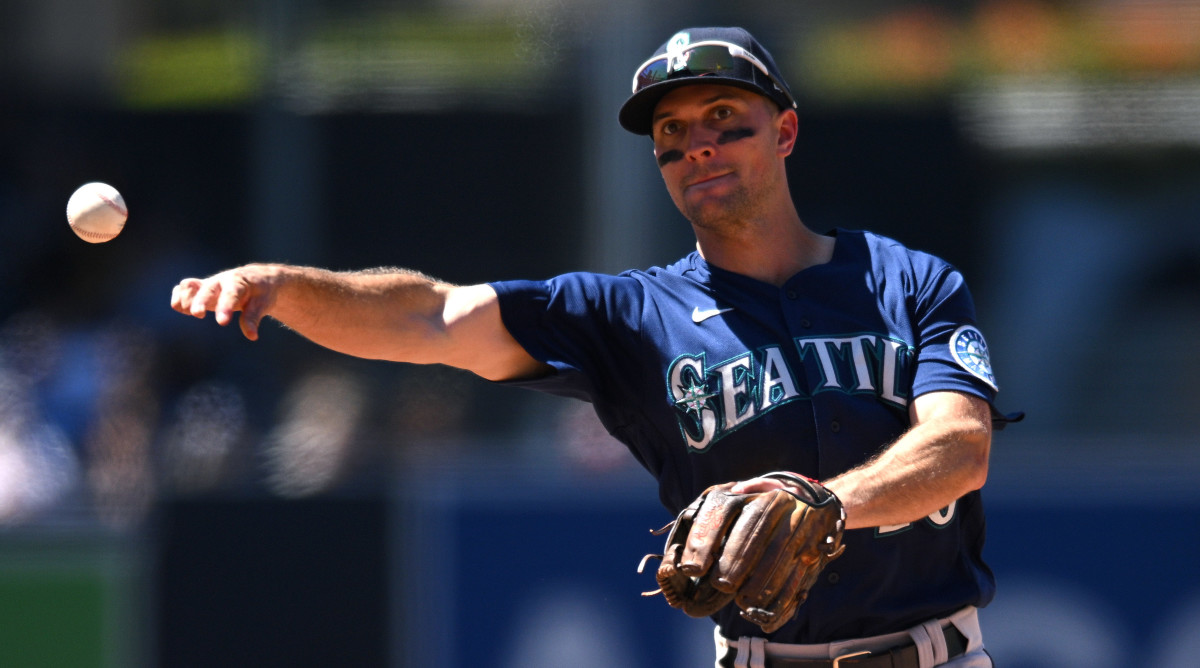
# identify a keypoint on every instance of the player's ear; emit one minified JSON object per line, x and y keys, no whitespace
{"x":787,"y":124}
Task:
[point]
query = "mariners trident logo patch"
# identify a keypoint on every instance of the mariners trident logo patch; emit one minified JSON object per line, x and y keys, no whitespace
{"x":971,"y":352}
{"x":677,"y":51}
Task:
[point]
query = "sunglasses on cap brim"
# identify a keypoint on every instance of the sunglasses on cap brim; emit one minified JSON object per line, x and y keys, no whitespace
{"x":699,"y":59}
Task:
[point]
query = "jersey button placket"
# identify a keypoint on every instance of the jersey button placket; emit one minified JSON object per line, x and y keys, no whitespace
{"x":790,"y":296}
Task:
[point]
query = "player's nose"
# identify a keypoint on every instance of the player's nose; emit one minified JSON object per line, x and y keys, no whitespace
{"x":702,"y":144}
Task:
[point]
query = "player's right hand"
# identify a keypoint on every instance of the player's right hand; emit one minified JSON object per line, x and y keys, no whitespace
{"x":250,"y":290}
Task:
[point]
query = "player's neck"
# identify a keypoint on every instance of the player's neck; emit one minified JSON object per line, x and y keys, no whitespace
{"x":773,"y":255}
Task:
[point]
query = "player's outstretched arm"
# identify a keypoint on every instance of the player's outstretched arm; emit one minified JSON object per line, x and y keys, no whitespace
{"x":386,"y":314}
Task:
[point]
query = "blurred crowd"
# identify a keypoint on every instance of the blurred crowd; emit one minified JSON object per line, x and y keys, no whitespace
{"x":97,"y":423}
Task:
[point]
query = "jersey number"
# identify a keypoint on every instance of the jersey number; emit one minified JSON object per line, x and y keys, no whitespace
{"x":938,"y":518}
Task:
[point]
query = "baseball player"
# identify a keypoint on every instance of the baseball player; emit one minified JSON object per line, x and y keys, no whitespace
{"x":817,"y":408}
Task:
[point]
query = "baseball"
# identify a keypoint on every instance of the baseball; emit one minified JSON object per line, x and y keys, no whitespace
{"x":96,"y":212}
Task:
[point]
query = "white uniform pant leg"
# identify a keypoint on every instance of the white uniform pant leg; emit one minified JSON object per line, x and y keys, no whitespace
{"x":967,"y":621}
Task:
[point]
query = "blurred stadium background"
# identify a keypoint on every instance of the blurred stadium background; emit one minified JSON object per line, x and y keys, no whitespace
{"x":173,"y":495}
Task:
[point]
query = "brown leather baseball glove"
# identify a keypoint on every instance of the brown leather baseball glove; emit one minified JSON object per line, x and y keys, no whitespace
{"x":762,"y":550}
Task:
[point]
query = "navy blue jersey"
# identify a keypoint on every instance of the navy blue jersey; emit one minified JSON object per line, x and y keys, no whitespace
{"x":710,"y":376}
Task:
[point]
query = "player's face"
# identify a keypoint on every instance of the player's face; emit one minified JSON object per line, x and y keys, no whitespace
{"x":717,"y":148}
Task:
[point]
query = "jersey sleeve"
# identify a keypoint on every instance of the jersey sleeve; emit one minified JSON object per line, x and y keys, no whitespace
{"x":951,"y":351}
{"x":583,"y":325}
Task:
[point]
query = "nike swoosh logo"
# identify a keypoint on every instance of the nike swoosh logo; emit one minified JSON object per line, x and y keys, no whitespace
{"x":699,"y":316}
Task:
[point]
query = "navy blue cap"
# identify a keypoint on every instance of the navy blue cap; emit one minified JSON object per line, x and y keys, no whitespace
{"x":635,"y":115}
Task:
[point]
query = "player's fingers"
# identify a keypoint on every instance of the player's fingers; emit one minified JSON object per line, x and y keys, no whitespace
{"x":203,"y":296}
{"x":754,"y":485}
{"x":231,"y":295}
{"x":183,"y":294}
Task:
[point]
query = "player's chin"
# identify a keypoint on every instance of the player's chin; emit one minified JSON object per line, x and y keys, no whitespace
{"x":711,"y":213}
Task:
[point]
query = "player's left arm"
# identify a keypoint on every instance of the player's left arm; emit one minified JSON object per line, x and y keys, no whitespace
{"x":942,"y":456}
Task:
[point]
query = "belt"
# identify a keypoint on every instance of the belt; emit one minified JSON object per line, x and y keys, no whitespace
{"x":904,"y":656}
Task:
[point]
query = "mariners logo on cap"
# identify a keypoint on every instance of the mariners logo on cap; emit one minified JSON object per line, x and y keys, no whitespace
{"x":676,"y":51}
{"x":971,"y":352}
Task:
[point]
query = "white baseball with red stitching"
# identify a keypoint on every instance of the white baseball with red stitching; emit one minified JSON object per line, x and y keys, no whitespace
{"x":96,"y":212}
